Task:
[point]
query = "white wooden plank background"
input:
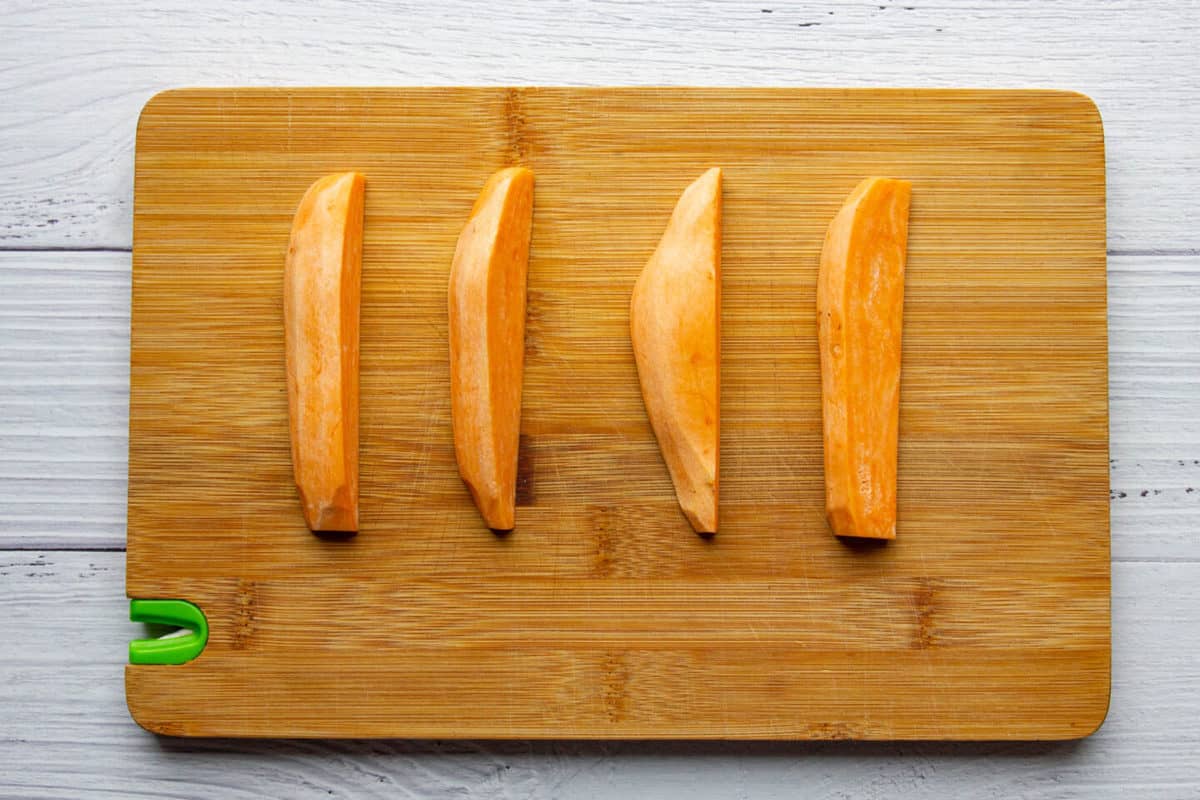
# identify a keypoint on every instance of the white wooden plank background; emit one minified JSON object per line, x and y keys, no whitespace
{"x":72,"y":80}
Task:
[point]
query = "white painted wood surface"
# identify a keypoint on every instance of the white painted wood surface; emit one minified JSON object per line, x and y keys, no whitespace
{"x":72,"y":81}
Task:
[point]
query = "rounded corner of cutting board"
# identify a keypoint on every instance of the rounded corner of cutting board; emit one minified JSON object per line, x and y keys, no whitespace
{"x":141,"y":708}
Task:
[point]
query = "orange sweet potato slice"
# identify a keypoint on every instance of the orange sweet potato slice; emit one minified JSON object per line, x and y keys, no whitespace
{"x":321,"y":295}
{"x":675,"y":325}
{"x":487,"y":342}
{"x":860,"y":302}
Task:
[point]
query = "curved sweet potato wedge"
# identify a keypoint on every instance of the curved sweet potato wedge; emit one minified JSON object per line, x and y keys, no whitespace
{"x":321,"y":295}
{"x":487,"y":342}
{"x":675,"y":325}
{"x":860,"y":303}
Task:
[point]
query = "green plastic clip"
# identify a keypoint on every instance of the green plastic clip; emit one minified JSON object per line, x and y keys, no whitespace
{"x":169,"y":649}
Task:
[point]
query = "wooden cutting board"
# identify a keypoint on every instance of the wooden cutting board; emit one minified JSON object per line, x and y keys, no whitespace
{"x":603,"y":615}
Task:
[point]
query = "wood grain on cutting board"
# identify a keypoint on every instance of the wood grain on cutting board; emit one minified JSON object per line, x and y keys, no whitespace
{"x":602,"y":615}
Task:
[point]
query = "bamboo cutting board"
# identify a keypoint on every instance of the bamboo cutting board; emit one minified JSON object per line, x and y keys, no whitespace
{"x":603,"y":615}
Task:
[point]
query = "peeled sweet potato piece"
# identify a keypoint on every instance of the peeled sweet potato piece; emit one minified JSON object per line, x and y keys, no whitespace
{"x":487,"y":342}
{"x":320,"y":310}
{"x":860,"y":302}
{"x":675,"y":325}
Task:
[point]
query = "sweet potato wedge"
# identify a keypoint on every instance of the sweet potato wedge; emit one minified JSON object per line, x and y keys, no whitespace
{"x":860,"y":303}
{"x":675,"y":325}
{"x":322,"y":280}
{"x":487,"y":342}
